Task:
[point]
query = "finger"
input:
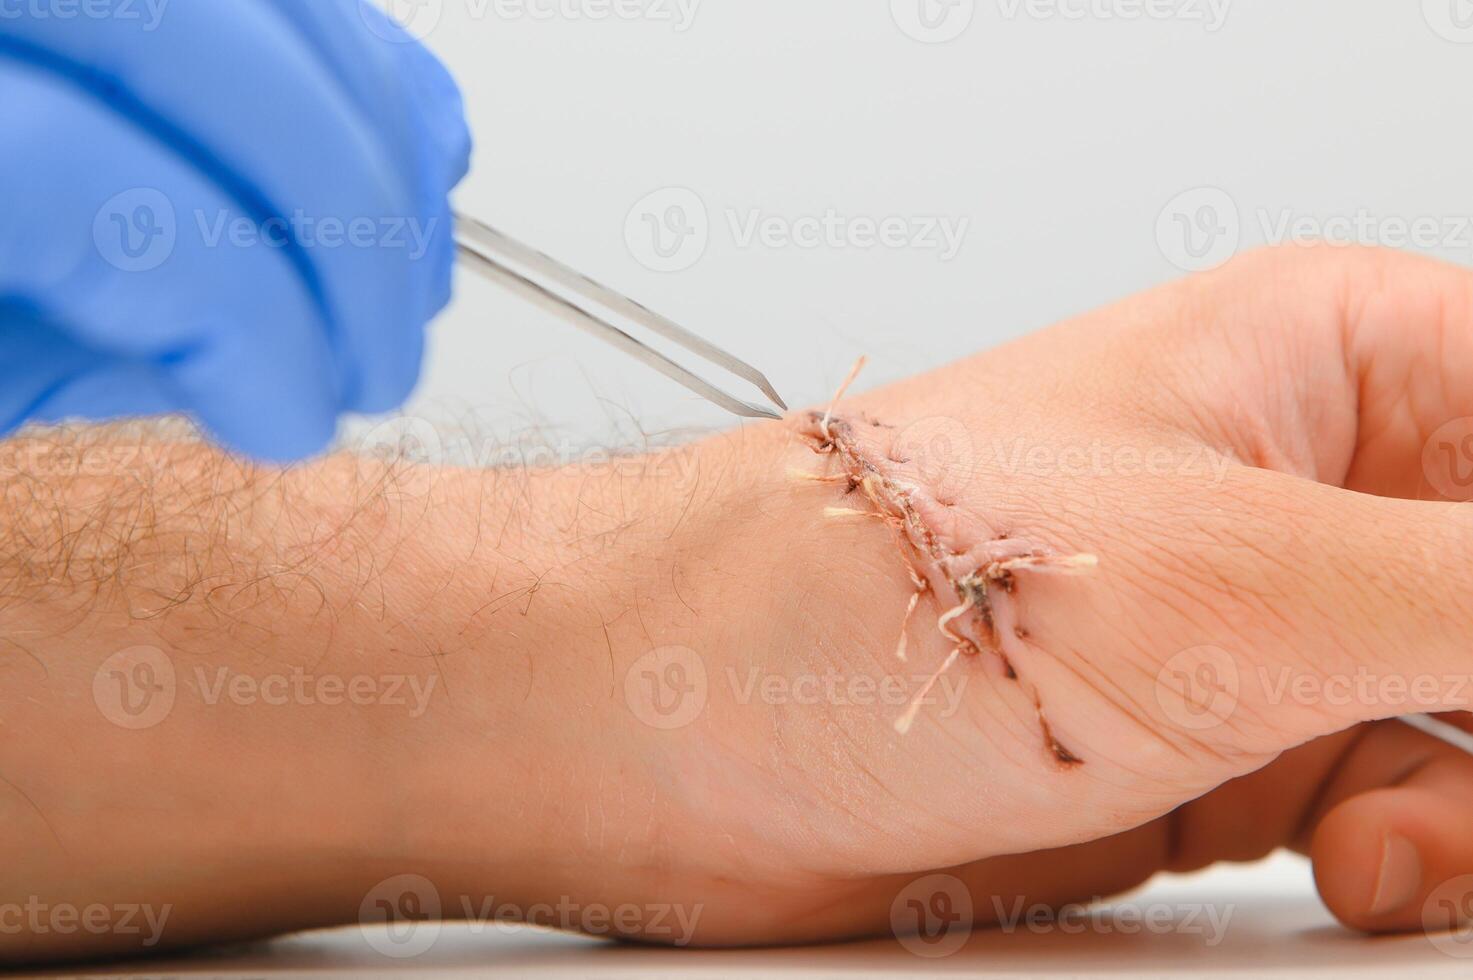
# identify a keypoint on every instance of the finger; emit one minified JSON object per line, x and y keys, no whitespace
{"x":398,"y":86}
{"x":1339,"y":800}
{"x":1461,"y":720}
{"x":230,"y":334}
{"x":1300,"y":798}
{"x":47,"y":376}
{"x":394,"y":82}
{"x":287,"y":145}
{"x":1351,"y":365}
{"x":1282,"y":805}
{"x":1394,"y":835}
{"x":1336,"y":607}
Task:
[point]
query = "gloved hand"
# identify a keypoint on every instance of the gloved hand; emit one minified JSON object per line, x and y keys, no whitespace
{"x":235,"y":209}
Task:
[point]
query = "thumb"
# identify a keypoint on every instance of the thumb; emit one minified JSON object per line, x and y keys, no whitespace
{"x":1348,"y":608}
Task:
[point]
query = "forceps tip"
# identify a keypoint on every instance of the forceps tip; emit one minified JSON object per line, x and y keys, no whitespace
{"x":762,"y":412}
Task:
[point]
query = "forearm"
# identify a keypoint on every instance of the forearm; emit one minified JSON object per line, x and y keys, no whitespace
{"x":199,"y":652}
{"x":355,"y":668}
{"x":204,"y":652}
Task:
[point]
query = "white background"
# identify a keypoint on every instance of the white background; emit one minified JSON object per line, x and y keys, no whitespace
{"x":1062,"y":133}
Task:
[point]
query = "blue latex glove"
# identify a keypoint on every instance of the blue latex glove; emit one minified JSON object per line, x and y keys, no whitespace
{"x":146,"y":153}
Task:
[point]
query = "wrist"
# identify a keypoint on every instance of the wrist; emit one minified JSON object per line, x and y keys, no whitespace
{"x":606,"y":714}
{"x":551,"y":759}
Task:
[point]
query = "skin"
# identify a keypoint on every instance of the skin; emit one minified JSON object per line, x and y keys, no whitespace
{"x":1252,"y":483}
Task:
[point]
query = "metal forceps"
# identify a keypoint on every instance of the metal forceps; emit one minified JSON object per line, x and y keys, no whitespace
{"x":555,"y":287}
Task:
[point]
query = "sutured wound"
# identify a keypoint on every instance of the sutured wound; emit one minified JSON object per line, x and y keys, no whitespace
{"x":891,"y":501}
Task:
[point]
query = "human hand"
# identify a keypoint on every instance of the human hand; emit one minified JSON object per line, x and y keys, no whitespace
{"x":1252,"y":457}
{"x":233,"y":210}
{"x":1242,"y":452}
{"x":1258,"y":459}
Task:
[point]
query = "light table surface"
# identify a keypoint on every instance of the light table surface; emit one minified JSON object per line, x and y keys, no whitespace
{"x":1253,"y":921}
